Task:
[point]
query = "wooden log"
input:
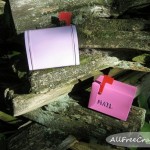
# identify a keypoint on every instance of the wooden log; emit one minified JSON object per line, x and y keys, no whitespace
{"x":115,"y":34}
{"x":72,"y":143}
{"x":24,"y":103}
{"x":67,"y":143}
{"x":123,"y":34}
{"x":37,"y":14}
{"x":40,"y":137}
{"x":111,"y":39}
{"x":66,"y":115}
{"x":27,"y":102}
{"x":93,"y":34}
{"x":2,"y":4}
{"x":34,"y":136}
{"x":113,"y":24}
{"x":87,"y":146}
{"x":91,"y":61}
{"x":112,"y":33}
{"x":133,"y":66}
{"x":46,"y":85}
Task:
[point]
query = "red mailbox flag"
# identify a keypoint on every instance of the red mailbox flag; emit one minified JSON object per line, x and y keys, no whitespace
{"x":106,"y":79}
{"x":65,"y":16}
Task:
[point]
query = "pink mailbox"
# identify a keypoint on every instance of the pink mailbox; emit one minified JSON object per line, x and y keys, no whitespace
{"x":112,"y":97}
{"x":52,"y":47}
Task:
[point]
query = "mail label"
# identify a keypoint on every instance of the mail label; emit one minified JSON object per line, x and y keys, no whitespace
{"x":104,"y":104}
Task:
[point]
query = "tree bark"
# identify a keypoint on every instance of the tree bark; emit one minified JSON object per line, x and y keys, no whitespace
{"x":2,"y":4}
{"x":113,"y":39}
{"x":67,"y":115}
{"x":72,"y":143}
{"x":24,"y":103}
{"x":91,"y":61}
{"x":37,"y":14}
{"x":32,"y":14}
{"x":39,"y":137}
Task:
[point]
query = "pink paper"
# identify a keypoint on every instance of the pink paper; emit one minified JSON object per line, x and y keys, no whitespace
{"x":52,"y":47}
{"x":115,"y":100}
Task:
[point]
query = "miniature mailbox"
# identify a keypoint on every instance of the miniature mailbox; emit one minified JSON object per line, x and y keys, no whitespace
{"x":52,"y":47}
{"x":112,"y":97}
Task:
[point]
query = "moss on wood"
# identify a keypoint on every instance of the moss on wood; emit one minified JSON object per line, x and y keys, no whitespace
{"x":91,"y":61}
{"x":113,"y":39}
{"x":39,"y":13}
{"x":74,"y":119}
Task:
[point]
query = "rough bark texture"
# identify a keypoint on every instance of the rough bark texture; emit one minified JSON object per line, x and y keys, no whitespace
{"x":93,"y":32}
{"x":114,"y":24}
{"x":27,"y":102}
{"x":66,"y":115}
{"x":91,"y":61}
{"x":38,"y":13}
{"x":2,"y":4}
{"x":41,"y":138}
{"x":106,"y":34}
{"x":124,"y":36}
{"x":73,"y":144}
{"x":113,"y":39}
{"x":24,"y":103}
{"x":35,"y":137}
{"x":113,"y":34}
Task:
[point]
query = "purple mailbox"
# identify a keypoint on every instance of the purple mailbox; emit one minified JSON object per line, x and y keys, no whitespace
{"x":52,"y":47}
